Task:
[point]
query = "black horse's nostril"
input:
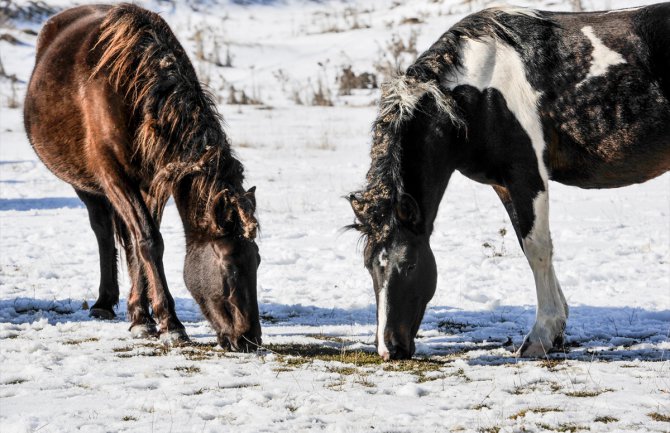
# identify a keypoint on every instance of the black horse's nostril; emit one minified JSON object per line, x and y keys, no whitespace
{"x":397,"y":350}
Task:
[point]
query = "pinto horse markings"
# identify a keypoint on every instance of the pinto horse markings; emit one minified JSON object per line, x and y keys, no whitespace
{"x":512,"y":98}
{"x":114,"y":108}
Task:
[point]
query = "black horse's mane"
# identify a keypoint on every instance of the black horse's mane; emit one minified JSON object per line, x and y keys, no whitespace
{"x":374,"y":206}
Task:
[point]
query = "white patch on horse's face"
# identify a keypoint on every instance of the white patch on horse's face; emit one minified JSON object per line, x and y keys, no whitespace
{"x":490,"y":63}
{"x":602,"y":56}
{"x":383,"y":258}
{"x":382,"y":315}
{"x":382,"y":306}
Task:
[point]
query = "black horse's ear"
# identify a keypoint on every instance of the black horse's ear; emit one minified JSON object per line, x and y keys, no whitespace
{"x":251,"y":195}
{"x":357,"y":205}
{"x":407,"y":210}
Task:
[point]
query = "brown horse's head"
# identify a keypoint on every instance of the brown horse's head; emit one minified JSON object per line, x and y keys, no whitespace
{"x":220,"y":270}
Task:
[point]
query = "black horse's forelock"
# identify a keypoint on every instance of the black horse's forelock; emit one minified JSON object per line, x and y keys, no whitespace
{"x":374,"y":206}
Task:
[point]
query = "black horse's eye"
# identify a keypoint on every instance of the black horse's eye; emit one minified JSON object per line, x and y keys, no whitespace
{"x":411,"y":267}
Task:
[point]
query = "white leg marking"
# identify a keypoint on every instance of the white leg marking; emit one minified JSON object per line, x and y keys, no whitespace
{"x":552,"y":309}
{"x":490,"y":63}
{"x":382,"y":314}
{"x":602,"y":56}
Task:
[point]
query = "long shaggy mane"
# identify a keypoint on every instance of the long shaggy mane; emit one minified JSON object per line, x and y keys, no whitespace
{"x":178,"y":131}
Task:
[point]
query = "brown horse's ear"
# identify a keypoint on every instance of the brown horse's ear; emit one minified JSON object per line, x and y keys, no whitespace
{"x":246,"y":208}
{"x":251,"y":195}
{"x":407,"y":210}
{"x":221,"y":212}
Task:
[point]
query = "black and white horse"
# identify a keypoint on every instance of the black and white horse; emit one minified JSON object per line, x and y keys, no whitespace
{"x":512,"y":98}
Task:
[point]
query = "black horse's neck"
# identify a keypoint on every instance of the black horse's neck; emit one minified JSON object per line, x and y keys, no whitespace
{"x":430,"y":156}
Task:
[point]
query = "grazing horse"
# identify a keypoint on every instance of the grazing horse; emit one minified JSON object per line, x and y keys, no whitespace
{"x":512,"y":98}
{"x":115,"y":109}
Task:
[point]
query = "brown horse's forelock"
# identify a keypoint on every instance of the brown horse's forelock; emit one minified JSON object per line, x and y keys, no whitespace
{"x":178,"y":128}
{"x":374,"y":206}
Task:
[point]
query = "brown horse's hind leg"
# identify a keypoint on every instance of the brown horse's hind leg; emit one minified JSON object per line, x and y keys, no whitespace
{"x":100,"y":216}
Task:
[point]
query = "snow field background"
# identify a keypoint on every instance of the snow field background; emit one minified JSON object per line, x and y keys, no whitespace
{"x":60,"y":371}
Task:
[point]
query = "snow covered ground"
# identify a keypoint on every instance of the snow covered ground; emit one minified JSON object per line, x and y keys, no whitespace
{"x":60,"y":371}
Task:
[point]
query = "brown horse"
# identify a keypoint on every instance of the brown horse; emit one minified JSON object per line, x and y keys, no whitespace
{"x":115,"y":109}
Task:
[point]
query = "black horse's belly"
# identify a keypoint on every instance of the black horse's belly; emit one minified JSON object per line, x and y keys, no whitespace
{"x":609,"y":132}
{"x":623,"y":158}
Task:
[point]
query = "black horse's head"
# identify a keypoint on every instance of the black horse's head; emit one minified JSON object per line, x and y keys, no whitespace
{"x":404,"y":276}
{"x":395,"y":212}
{"x":220,"y":271}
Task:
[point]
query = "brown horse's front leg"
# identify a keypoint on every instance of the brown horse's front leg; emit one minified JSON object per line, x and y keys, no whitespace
{"x":142,"y":324}
{"x":147,"y":244}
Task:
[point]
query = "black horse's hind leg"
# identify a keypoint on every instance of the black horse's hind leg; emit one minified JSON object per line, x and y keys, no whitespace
{"x":100,"y":216}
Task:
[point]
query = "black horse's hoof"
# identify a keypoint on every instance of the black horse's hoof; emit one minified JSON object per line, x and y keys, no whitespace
{"x":101,"y":313}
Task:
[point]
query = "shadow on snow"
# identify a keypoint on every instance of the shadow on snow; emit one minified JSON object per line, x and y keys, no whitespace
{"x":46,"y":203}
{"x":487,"y":337}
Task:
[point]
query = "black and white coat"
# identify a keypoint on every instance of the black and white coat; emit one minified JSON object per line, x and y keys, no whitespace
{"x":531,"y":96}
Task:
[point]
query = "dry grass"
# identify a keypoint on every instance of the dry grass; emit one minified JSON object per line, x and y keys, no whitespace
{"x":80,"y":341}
{"x":562,"y":428}
{"x":189,"y":370}
{"x":585,"y":393}
{"x":309,"y":353}
{"x":605,"y":419}
{"x":659,"y":417}
{"x":330,"y":338}
{"x":522,"y":413}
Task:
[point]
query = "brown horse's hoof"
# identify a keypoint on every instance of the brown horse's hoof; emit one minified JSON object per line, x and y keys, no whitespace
{"x":142,"y":331}
{"x":176,"y":337}
{"x":100,"y":313}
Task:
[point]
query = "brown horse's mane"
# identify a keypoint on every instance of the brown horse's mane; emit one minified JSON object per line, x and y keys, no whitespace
{"x":177,"y":128}
{"x":374,"y":206}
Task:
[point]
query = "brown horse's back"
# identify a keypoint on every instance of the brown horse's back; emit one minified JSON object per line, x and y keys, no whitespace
{"x":60,"y":90}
